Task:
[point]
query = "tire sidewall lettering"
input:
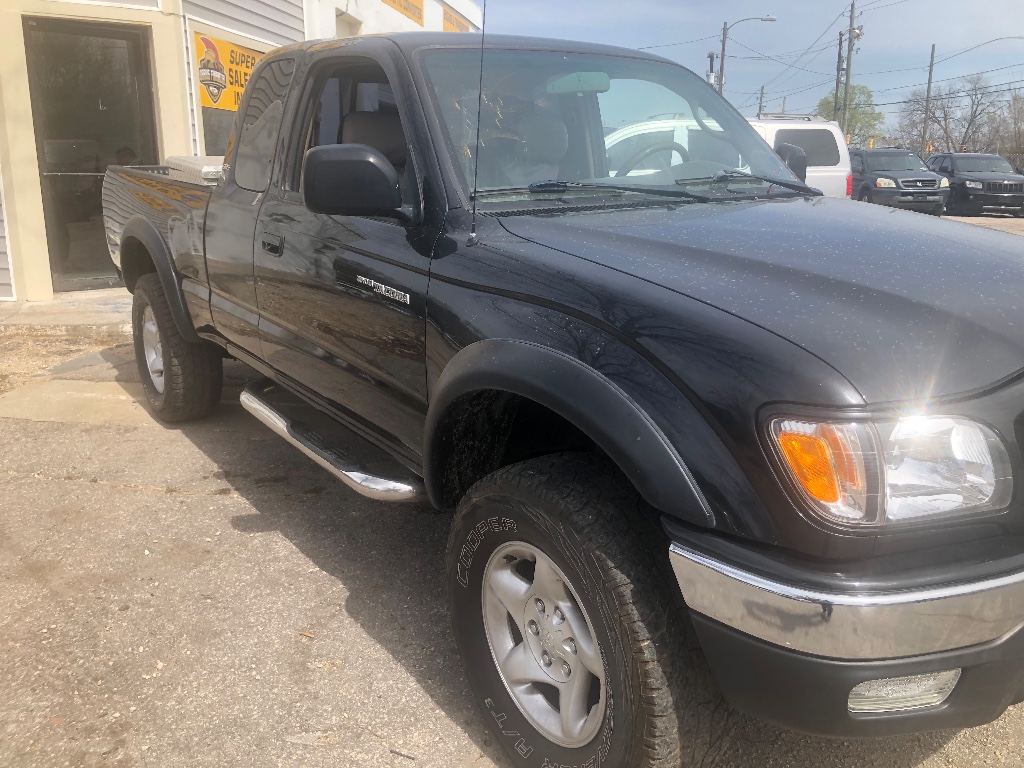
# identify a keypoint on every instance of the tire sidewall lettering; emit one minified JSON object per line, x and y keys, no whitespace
{"x":476,"y":545}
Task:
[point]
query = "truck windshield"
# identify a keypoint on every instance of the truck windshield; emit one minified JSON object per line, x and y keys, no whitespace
{"x":548,"y":115}
{"x":983,"y":164}
{"x":894,"y":161}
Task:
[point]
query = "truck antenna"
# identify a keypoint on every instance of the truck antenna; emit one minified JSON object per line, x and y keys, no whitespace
{"x":473,"y":239}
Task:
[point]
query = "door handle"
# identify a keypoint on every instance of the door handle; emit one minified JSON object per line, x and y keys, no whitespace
{"x":273,"y":244}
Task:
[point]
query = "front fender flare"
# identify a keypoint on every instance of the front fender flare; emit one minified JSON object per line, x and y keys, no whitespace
{"x":582,"y":396}
{"x":143,"y":230}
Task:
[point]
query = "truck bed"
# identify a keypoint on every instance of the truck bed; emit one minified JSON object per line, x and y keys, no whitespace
{"x":172,"y":197}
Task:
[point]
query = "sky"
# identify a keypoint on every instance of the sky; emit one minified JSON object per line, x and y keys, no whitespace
{"x":891,"y":58}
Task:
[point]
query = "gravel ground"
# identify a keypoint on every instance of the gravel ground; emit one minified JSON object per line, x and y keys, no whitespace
{"x":206,"y":596}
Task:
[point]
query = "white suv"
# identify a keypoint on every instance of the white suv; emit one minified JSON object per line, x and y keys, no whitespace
{"x":828,"y":159}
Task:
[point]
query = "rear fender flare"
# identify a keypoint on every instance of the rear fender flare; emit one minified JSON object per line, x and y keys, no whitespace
{"x":146,"y":233}
{"x":582,"y":396}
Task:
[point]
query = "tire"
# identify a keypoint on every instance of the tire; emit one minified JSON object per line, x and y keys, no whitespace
{"x":656,"y":704}
{"x":192,"y":374}
{"x":865,"y":196}
{"x":937,"y":210}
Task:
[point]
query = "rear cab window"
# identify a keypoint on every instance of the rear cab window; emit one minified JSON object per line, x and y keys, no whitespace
{"x":261,"y":125}
{"x":819,"y":144}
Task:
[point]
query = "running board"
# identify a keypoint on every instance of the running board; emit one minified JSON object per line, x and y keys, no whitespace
{"x":269,"y":403}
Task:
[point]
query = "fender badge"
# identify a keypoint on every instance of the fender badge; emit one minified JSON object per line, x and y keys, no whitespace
{"x":384,"y":290}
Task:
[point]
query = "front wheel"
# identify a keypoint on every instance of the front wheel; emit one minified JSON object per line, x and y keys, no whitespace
{"x":563,"y":608}
{"x":865,"y":196}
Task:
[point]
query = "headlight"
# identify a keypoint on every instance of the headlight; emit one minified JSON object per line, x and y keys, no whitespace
{"x":973,"y":184}
{"x":943,"y":182}
{"x":918,"y":467}
{"x":885,"y":183}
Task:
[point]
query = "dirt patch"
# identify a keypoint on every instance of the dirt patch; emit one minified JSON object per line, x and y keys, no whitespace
{"x":24,"y":354}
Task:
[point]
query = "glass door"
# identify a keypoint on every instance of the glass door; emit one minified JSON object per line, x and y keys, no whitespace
{"x":92,"y":106}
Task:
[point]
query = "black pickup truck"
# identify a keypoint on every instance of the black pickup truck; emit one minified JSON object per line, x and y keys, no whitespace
{"x":710,"y":440}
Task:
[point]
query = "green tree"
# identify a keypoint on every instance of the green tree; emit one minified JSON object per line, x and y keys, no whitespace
{"x":865,"y":120}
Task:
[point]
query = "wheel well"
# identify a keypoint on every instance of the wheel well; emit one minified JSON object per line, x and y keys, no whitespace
{"x":135,"y":262}
{"x":485,"y":430}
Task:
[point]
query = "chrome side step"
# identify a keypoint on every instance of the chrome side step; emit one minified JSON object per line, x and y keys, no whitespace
{"x":329,"y":455}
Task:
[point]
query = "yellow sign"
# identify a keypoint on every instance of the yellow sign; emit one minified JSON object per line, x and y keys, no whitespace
{"x":455,"y":21}
{"x":411,"y":8}
{"x":224,"y":69}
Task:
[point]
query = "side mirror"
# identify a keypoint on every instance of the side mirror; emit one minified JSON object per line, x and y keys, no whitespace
{"x":794,"y":158}
{"x":350,"y":180}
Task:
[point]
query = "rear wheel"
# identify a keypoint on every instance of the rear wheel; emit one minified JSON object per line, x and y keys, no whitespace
{"x":568,"y":620}
{"x":182,"y":380}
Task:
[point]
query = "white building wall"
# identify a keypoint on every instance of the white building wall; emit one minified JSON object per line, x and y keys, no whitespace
{"x":6,"y":278}
{"x":276,"y":21}
{"x":328,"y":18}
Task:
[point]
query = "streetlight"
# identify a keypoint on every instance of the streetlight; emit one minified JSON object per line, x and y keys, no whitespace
{"x":725,"y":36}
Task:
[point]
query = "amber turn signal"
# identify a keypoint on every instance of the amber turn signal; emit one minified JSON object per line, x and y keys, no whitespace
{"x":826,"y":460}
{"x":811,"y":461}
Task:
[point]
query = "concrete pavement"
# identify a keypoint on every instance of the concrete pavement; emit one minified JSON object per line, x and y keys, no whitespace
{"x":81,"y":312}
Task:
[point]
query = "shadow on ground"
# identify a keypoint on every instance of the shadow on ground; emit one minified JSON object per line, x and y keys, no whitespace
{"x":390,"y":559}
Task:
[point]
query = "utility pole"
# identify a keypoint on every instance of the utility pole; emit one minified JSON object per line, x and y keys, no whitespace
{"x":928,"y":103}
{"x":849,"y":68}
{"x":839,"y":76}
{"x":721,"y":59}
{"x":760,"y":103}
{"x":783,"y":105}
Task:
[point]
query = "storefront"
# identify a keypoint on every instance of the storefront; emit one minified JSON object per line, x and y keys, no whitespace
{"x":89,"y":83}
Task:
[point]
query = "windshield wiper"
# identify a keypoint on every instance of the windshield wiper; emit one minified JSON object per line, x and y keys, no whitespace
{"x":569,"y":186}
{"x":726,"y":176}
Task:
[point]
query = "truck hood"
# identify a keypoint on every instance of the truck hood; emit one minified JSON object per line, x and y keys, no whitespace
{"x":904,"y":305}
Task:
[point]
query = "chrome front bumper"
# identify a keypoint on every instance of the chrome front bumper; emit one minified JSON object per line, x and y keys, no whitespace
{"x":850,"y":626}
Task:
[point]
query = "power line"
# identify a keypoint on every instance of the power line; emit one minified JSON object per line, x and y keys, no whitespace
{"x":685,"y":42}
{"x":984,"y":91}
{"x":880,"y":7}
{"x":991,"y":90}
{"x":807,"y":50}
{"x":947,"y":79}
{"x":979,"y":45}
{"x":772,"y":58}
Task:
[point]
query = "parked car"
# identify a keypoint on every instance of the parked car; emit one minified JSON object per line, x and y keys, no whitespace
{"x":980,"y":183}
{"x":897,"y":178}
{"x":650,"y":146}
{"x":828,"y":158}
{"x":703,"y":439}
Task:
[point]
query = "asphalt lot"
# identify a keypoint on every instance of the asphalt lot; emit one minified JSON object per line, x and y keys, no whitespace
{"x":1011,"y":224}
{"x":206,"y":596}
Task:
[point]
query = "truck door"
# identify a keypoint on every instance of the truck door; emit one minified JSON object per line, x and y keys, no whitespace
{"x":234,"y":205}
{"x":342,"y":299}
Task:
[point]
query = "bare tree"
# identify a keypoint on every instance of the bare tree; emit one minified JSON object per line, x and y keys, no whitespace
{"x":963,"y":114}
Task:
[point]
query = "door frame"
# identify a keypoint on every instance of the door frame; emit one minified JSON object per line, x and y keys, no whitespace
{"x":140,"y":46}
